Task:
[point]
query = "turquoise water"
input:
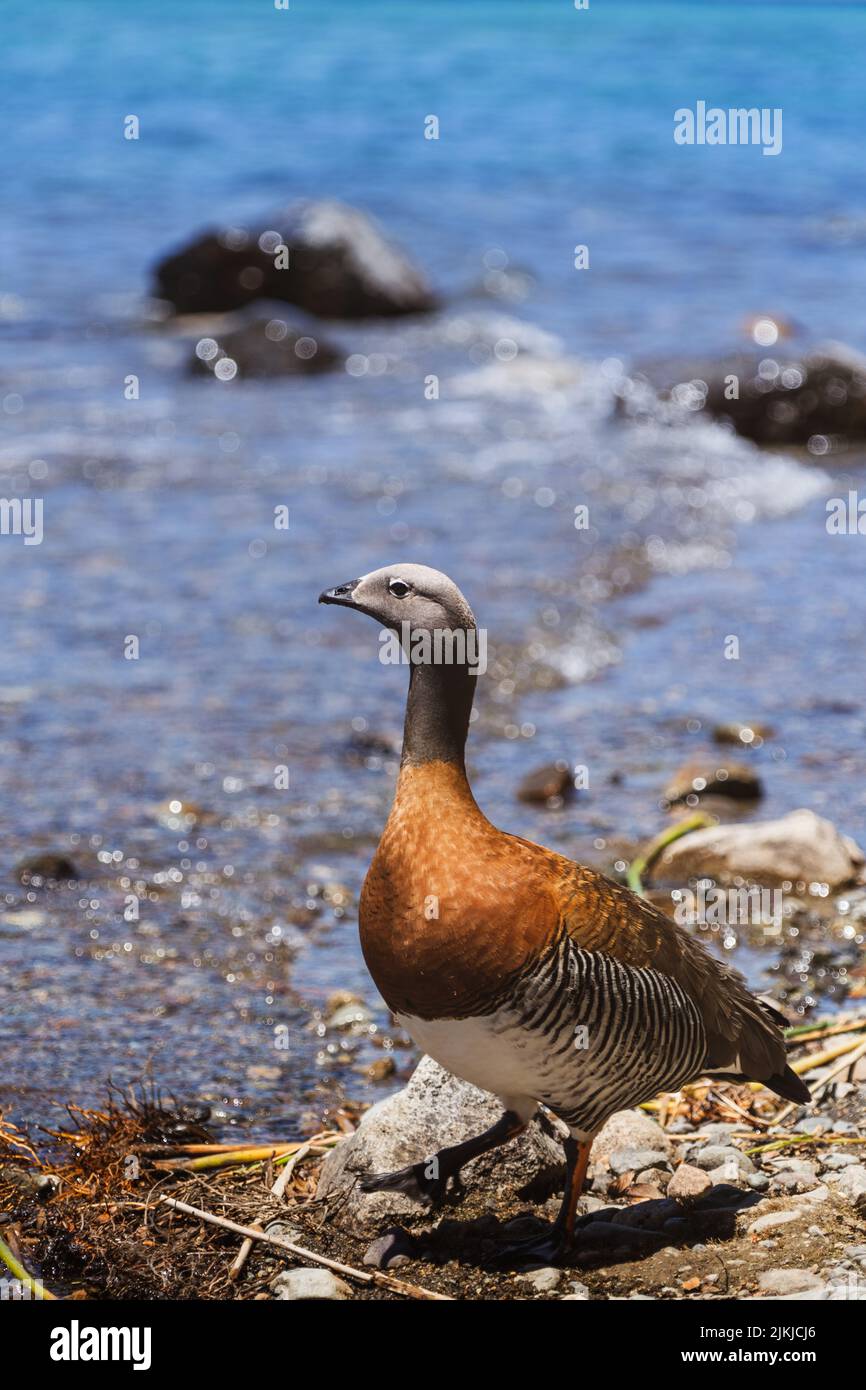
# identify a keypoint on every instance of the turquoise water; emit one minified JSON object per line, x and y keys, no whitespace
{"x":555,"y":130}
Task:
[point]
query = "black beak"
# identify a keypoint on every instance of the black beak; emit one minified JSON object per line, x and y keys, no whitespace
{"x":342,"y":595}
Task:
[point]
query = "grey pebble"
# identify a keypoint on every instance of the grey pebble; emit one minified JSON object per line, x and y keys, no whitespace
{"x":832,"y":1162}
{"x":815,"y":1124}
{"x":283,"y":1231}
{"x":543,"y":1280}
{"x":635,"y":1160}
{"x":851,"y":1183}
{"x":579,"y":1292}
{"x":390,"y":1250}
{"x":721,"y":1155}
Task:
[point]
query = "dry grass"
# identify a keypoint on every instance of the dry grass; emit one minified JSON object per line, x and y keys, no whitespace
{"x":96,"y":1227}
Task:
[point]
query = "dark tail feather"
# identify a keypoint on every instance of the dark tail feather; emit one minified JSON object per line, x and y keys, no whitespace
{"x":788,"y":1084}
{"x":785,"y":1083}
{"x":770,"y":1009}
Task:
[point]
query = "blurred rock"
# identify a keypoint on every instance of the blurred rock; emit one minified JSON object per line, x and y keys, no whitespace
{"x":552,"y":783}
{"x":799,"y":847}
{"x":46,"y":868}
{"x":629,"y":1129}
{"x":713,"y":1156}
{"x":282,"y":1231}
{"x":771,"y":1220}
{"x":627,"y":1160}
{"x":701,"y":778}
{"x":347,"y":1012}
{"x":742,"y":735}
{"x":543,"y":1280}
{"x":263,"y":348}
{"x":380,"y":1070}
{"x":643,"y":1192}
{"x":340,"y":266}
{"x":833,"y":1162}
{"x":781,"y":398}
{"x":789,"y":1182}
{"x":25,"y":920}
{"x":374,"y":750}
{"x":654,"y":1177}
{"x":688,"y":1184}
{"x":30,"y":1184}
{"x":580,"y":1293}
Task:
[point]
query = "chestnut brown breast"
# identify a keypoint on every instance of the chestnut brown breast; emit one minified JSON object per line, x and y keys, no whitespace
{"x":452,"y":910}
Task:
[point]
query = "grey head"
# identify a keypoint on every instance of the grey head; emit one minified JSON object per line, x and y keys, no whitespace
{"x":424,"y":598}
{"x":414,"y":600}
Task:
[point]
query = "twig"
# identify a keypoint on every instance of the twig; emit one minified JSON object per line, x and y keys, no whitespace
{"x":11,"y":1134}
{"x":729,"y":1104}
{"x":820,"y":1059}
{"x":278,"y":1191}
{"x":848,"y":1058}
{"x":385,"y":1281}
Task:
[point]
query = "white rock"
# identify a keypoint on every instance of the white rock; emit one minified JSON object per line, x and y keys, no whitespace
{"x":310,"y":1283}
{"x":629,"y":1129}
{"x":579,"y":1293}
{"x":799,"y":846}
{"x":788,"y":1281}
{"x":773,"y":1218}
{"x":818,"y":1294}
{"x":543,"y":1280}
{"x":725,"y":1174}
{"x":27,"y":919}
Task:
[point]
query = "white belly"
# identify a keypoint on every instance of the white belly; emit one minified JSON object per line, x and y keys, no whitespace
{"x":485,"y":1052}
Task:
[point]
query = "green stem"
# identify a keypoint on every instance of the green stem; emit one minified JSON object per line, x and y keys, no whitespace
{"x":803,"y":1139}
{"x":856,"y":1025}
{"x":20,"y":1273}
{"x":639,"y":866}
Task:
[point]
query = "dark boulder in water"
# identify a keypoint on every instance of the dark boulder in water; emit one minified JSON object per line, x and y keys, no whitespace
{"x":710,"y":777}
{"x":328,"y":259}
{"x":263,"y":348}
{"x":816,"y":398}
{"x":548,"y":785}
{"x":46,"y":868}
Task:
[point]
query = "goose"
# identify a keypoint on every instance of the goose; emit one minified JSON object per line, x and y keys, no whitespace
{"x":533,"y":977}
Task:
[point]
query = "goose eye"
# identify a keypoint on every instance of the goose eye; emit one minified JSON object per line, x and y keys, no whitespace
{"x":398,"y":588}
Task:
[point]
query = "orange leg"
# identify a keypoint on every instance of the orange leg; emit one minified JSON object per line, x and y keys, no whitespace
{"x":551,"y":1247}
{"x":578,"y":1161}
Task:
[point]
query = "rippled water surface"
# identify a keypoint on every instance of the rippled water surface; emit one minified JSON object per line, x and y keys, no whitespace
{"x":157,"y":775}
